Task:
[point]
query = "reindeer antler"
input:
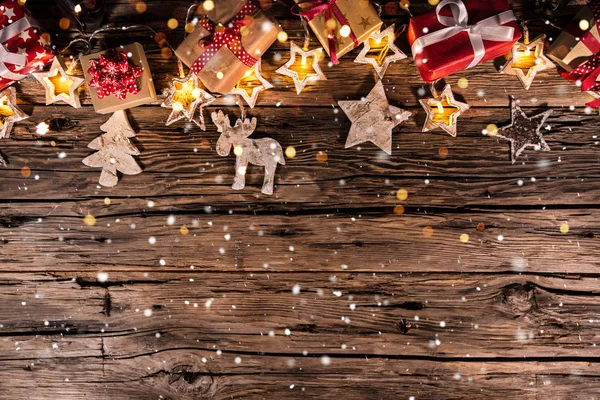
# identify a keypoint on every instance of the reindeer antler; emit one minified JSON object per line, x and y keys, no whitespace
{"x":247,"y":126}
{"x":221,"y":120}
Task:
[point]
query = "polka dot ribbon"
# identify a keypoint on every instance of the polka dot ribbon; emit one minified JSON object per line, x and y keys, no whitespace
{"x":225,"y":36}
{"x":327,"y":8}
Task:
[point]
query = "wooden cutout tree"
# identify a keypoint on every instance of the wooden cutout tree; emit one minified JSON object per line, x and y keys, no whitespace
{"x":115,"y":150}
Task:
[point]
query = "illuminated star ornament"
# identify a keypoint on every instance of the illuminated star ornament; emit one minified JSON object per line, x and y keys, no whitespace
{"x":251,"y":85}
{"x":301,"y":72}
{"x":59,"y":85}
{"x":9,"y":112}
{"x":379,"y":45}
{"x":524,"y":131}
{"x":527,"y":60}
{"x":184,"y":96}
{"x":442,"y":111}
{"x":373,"y":119}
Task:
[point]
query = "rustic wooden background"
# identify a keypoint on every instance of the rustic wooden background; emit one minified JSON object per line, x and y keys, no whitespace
{"x":383,"y":311}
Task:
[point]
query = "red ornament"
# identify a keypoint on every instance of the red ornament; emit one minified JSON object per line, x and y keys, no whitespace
{"x":114,"y":73}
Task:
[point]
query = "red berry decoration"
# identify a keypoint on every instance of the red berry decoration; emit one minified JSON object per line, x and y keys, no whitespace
{"x":114,"y":73}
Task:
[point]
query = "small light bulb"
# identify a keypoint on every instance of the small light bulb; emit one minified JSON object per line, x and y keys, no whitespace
{"x":196,"y":93}
{"x":177,"y":106}
{"x":78,"y":8}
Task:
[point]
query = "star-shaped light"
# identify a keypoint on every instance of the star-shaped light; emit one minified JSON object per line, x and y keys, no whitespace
{"x":373,"y":119}
{"x":184,"y":96}
{"x":59,"y":85}
{"x":443,"y":111}
{"x":523,"y":131}
{"x":9,"y":112}
{"x":527,"y":60}
{"x":251,"y":85}
{"x":381,"y":43}
{"x":301,"y":73}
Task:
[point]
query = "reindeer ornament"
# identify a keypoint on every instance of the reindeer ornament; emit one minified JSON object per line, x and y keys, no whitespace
{"x":264,"y":151}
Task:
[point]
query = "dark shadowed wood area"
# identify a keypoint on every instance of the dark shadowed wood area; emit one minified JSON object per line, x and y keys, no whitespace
{"x":323,"y":290}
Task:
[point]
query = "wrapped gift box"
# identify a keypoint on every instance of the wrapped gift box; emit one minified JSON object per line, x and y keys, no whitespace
{"x":218,"y":67}
{"x":574,"y":46}
{"x":443,"y":44}
{"x":359,"y":15}
{"x":20,"y":37}
{"x":145,"y":87}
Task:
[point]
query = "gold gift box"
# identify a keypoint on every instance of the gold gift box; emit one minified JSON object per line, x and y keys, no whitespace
{"x":362,"y":19}
{"x":256,"y":41}
{"x":569,"y":52}
{"x":109,"y":104}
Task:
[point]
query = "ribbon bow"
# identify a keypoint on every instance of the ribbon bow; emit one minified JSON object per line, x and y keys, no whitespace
{"x":228,"y":36}
{"x":327,"y":8}
{"x":488,"y":29}
{"x":8,"y":57}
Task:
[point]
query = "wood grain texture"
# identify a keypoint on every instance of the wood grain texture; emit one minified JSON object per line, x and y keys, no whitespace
{"x":380,"y":302}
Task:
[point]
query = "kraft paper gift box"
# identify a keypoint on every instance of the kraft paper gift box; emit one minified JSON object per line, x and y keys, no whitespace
{"x":111,"y":103}
{"x":223,"y":69}
{"x":359,"y":15}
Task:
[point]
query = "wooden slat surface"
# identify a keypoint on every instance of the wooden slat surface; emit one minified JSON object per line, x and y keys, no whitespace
{"x":323,"y":289}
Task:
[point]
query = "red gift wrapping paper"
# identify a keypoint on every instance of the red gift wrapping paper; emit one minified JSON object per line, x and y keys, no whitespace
{"x":456,"y":53}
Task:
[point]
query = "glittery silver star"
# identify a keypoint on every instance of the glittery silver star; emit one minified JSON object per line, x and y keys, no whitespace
{"x":264,"y":85}
{"x":373,"y":119}
{"x":524,"y":131}
{"x":310,"y":77}
{"x":381,"y":67}
{"x":184,"y":96}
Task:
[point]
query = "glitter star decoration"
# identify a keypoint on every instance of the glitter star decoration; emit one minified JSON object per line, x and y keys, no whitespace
{"x":442,"y":111}
{"x":523,"y":131}
{"x":184,"y":97}
{"x":527,"y":60}
{"x":381,"y":43}
{"x":252,"y":84}
{"x":373,"y":119}
{"x":9,"y":112}
{"x":300,"y":71}
{"x":59,"y":85}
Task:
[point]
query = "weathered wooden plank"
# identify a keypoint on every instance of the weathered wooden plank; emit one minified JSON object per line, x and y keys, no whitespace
{"x":454,"y":316}
{"x":518,"y":241}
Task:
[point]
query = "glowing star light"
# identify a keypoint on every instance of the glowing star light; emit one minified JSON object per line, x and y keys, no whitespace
{"x":301,"y":73}
{"x":184,"y":96}
{"x":9,"y":112}
{"x":59,"y":85}
{"x":251,"y":85}
{"x":373,"y":119}
{"x":527,"y":60}
{"x":379,"y":45}
{"x":442,"y":111}
{"x":524,"y":131}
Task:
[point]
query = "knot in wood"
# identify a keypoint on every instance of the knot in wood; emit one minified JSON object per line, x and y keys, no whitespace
{"x":519,"y":298}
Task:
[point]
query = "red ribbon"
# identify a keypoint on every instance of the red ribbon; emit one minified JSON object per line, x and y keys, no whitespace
{"x":328,"y":7}
{"x":588,"y":72}
{"x":228,"y":36}
{"x":114,"y":73}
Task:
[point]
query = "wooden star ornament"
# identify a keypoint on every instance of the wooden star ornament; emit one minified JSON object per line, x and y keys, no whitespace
{"x":527,"y":60}
{"x":184,"y":97}
{"x":381,"y":43}
{"x":523,"y":131}
{"x":9,"y":112}
{"x":252,"y":84}
{"x":301,"y":74}
{"x":443,"y":111}
{"x":373,"y":119}
{"x":59,"y":85}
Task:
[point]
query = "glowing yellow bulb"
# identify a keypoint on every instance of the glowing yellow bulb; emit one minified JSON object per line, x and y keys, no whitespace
{"x":440,"y":108}
{"x":177,"y":106}
{"x":303,"y":60}
{"x":345,"y":31}
{"x":196,"y":93}
{"x":78,"y":8}
{"x":208,"y":5}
